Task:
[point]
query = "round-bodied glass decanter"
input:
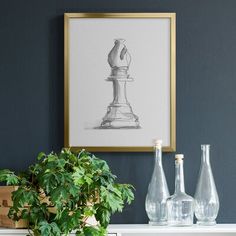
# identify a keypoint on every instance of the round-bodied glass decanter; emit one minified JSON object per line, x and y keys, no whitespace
{"x":180,"y":206}
{"x":158,"y":192}
{"x":206,"y":197}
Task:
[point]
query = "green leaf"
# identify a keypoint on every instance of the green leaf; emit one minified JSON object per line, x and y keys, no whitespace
{"x":41,"y":155}
{"x":69,"y":220}
{"x":12,"y":180}
{"x":25,"y":214}
{"x":55,"y":229}
{"x":51,"y":157}
{"x":58,"y":195}
{"x":114,"y":202}
{"x":114,"y":189}
{"x":78,"y":175}
{"x":94,"y":231}
{"x":74,"y":190}
{"x":9,"y":177}
{"x":88,"y":179}
{"x":89,"y":211}
{"x":102,"y":215}
{"x":45,"y":228}
{"x":51,"y":229}
{"x":126,"y":190}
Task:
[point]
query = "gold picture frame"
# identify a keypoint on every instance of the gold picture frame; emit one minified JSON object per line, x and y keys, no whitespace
{"x":172,"y":83}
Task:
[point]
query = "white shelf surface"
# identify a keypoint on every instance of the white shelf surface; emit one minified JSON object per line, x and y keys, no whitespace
{"x":144,"y":228}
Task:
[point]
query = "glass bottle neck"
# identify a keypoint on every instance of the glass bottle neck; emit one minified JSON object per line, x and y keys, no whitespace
{"x":158,"y":155}
{"x":179,"y":177}
{"x":205,"y":153}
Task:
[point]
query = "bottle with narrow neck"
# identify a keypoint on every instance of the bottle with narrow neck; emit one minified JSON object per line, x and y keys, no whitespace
{"x":206,"y":197}
{"x":179,"y":177}
{"x":180,"y":206}
{"x":158,"y":192}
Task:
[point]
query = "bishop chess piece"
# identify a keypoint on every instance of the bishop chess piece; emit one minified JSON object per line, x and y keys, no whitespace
{"x":119,"y":113}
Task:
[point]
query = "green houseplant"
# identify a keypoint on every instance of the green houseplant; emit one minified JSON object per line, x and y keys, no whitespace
{"x":61,"y":191}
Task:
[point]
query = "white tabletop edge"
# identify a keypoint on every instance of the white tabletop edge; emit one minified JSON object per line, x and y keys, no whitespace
{"x":145,"y":228}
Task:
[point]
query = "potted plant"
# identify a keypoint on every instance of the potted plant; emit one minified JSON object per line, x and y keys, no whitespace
{"x":61,"y":191}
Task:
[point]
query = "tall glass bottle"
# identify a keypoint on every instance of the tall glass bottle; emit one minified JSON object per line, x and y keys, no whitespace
{"x":180,"y":205}
{"x":157,"y":191}
{"x":206,"y":197}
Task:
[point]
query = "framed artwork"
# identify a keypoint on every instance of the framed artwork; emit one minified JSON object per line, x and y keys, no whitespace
{"x":120,"y":85}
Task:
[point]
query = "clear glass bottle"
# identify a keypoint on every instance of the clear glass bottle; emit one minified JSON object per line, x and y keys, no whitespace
{"x":180,"y":206}
{"x":158,"y":192}
{"x":206,"y":197}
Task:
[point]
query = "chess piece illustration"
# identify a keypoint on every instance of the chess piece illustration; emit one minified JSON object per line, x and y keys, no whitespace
{"x":119,"y":113}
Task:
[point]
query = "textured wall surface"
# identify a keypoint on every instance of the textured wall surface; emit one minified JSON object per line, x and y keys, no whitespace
{"x":31,"y":90}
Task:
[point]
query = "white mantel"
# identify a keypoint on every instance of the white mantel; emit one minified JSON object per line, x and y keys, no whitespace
{"x":142,"y":229}
{"x":146,"y":230}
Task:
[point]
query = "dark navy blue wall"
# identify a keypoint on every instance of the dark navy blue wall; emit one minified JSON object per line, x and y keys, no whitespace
{"x":31,"y":90}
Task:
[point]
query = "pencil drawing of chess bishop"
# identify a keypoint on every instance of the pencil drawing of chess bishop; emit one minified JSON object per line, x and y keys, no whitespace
{"x":119,"y":113}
